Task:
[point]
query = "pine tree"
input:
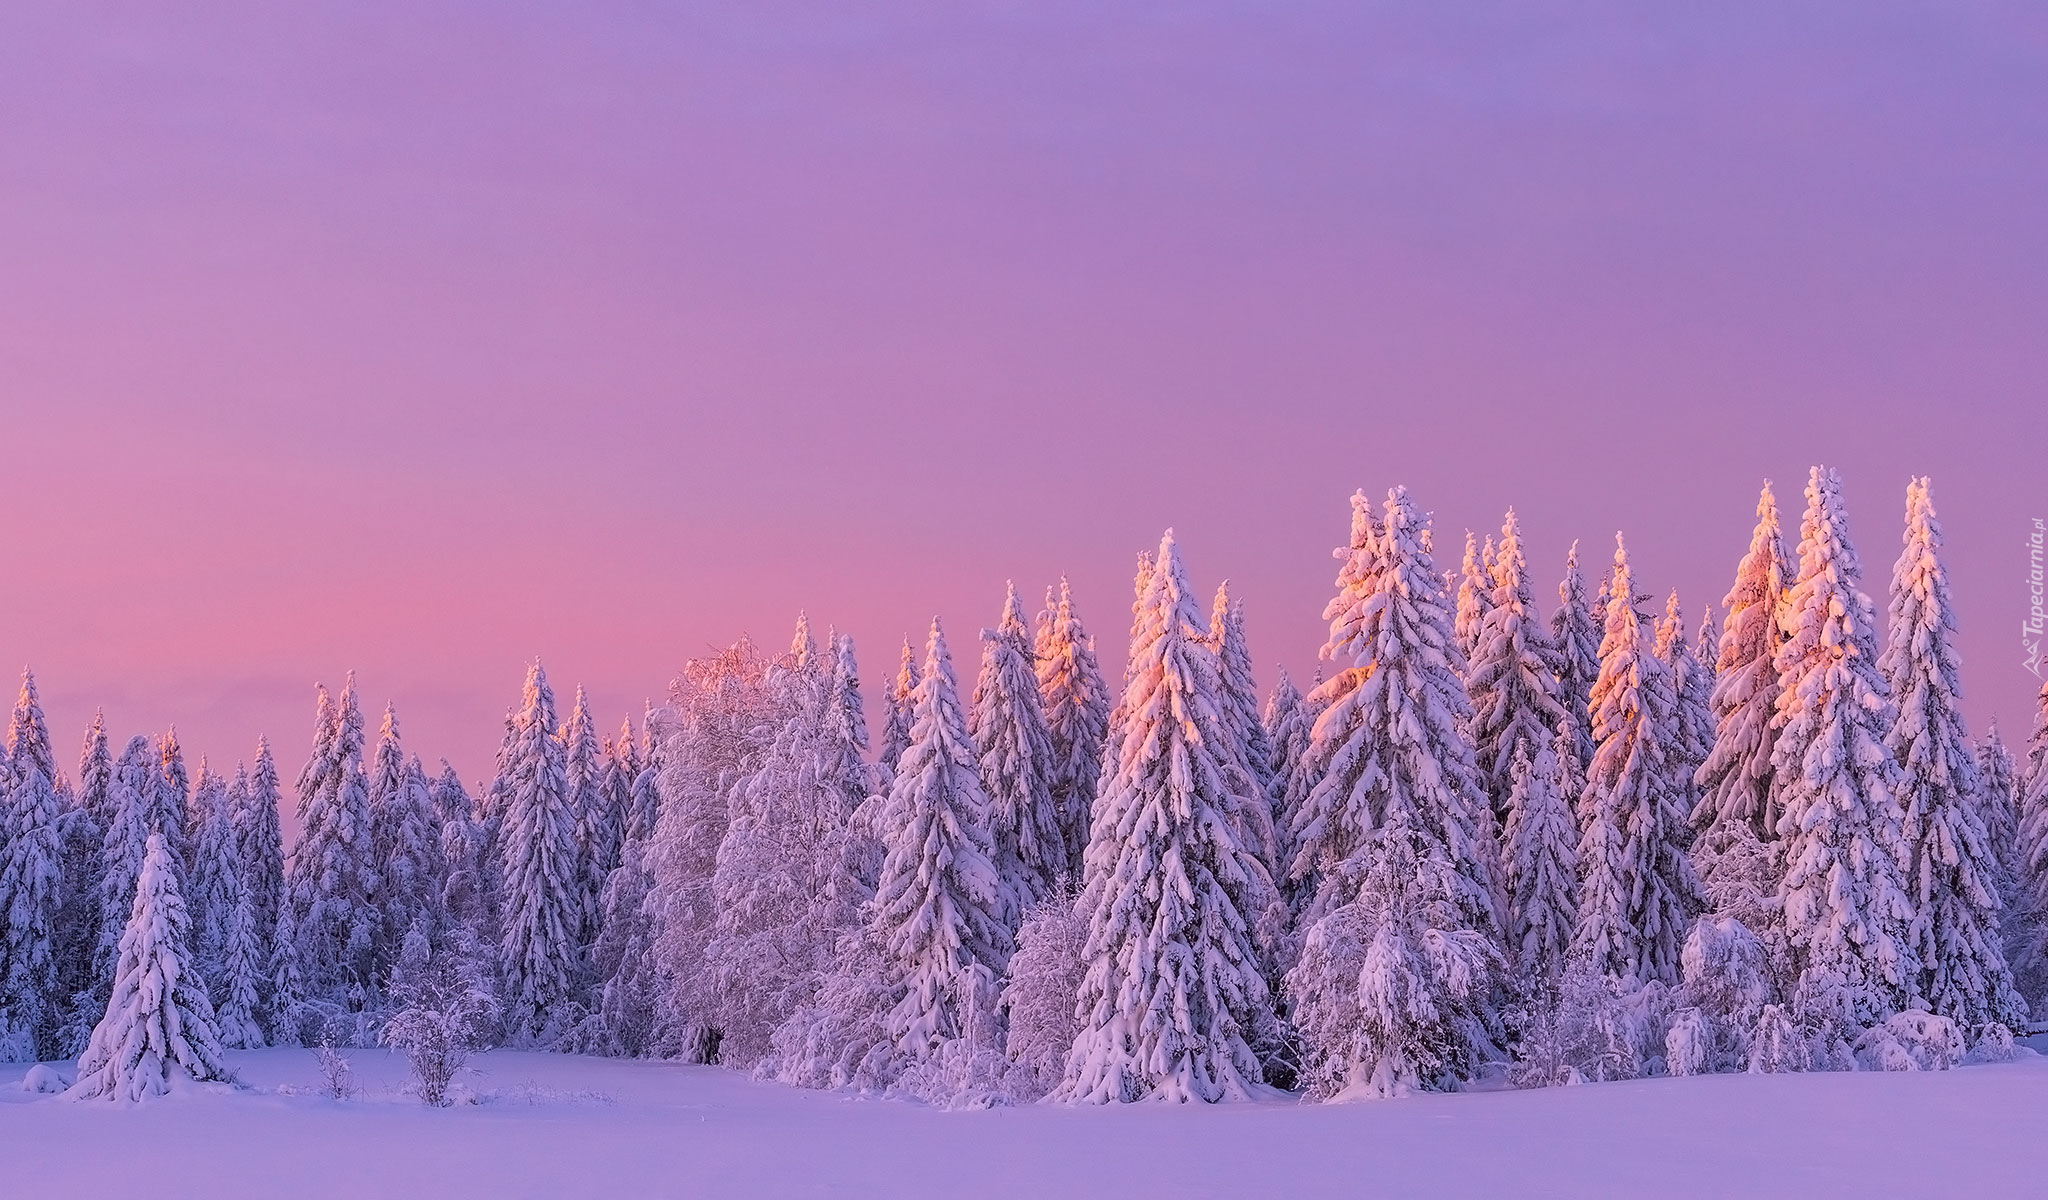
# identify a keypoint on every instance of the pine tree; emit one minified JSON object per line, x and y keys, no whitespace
{"x":1952,"y":871}
{"x":2036,"y":768}
{"x":896,"y":729}
{"x":174,"y":800}
{"x":1076,"y":703}
{"x":30,"y":877}
{"x":333,"y":866}
{"x":238,"y":970}
{"x":1736,"y":778}
{"x":1512,"y":688}
{"x":599,"y":828}
{"x":1390,"y":746}
{"x":411,"y":871}
{"x":542,"y":911}
{"x":647,"y":794}
{"x":843,"y":768}
{"x":132,"y":799}
{"x":1692,"y":716}
{"x":1239,"y":698}
{"x":261,"y":840}
{"x":1575,"y":651}
{"x":158,"y":1031}
{"x":1174,"y":995}
{"x":215,"y":873}
{"x":1007,"y":726}
{"x":1640,"y":892}
{"x":1835,"y":785}
{"x":1542,"y":841}
{"x":2014,"y":838}
{"x":1475,"y":597}
{"x":1289,"y":719}
{"x":82,"y":825}
{"x":941,"y":910}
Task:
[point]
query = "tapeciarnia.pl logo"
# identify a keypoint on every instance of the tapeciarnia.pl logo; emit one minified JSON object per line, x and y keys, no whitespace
{"x":2030,"y":631}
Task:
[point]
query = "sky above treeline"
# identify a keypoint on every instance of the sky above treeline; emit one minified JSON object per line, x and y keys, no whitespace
{"x":427,"y":338}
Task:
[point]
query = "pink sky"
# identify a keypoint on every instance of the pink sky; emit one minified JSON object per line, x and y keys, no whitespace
{"x":425,"y":338}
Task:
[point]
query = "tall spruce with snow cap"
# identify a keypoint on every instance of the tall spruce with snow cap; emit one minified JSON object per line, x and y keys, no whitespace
{"x":2014,"y":837}
{"x":1952,"y":871}
{"x":1390,"y":743}
{"x":542,"y":908}
{"x":1289,"y":720}
{"x":158,"y":1031}
{"x":1475,"y":596}
{"x":1007,"y":725}
{"x":1735,"y":779}
{"x":260,"y":836}
{"x":1509,"y":679}
{"x":1640,"y":892}
{"x":132,"y":800}
{"x":31,"y":862}
{"x":411,"y":868}
{"x":1691,"y":731}
{"x":82,"y":822}
{"x":1077,"y":703}
{"x":1542,"y":844}
{"x":1239,"y":697}
{"x":598,"y":826}
{"x":1835,"y":786}
{"x":216,"y":870}
{"x":843,"y":767}
{"x":1173,"y":992}
{"x":941,"y":910}
{"x":896,"y":726}
{"x":1575,"y":658}
{"x":333,"y":866}
{"x":2034,"y":769}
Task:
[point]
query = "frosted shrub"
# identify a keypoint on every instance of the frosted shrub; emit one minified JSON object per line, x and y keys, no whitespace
{"x":1689,"y":1046}
{"x":837,"y":1040}
{"x":1593,"y":1028}
{"x":337,"y":1077}
{"x":1045,"y":982}
{"x":444,"y":1005}
{"x":1778,"y":1045}
{"x":1913,"y":1040}
{"x":1994,"y":1044}
{"x":1727,"y":984}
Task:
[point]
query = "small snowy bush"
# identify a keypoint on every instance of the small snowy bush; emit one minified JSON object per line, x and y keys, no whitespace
{"x":337,"y":1077}
{"x":1728,"y":982}
{"x":1778,"y":1045}
{"x":1689,"y":1046}
{"x":444,"y":1002}
{"x":1994,"y":1044}
{"x":43,"y":1079}
{"x":1593,"y":1028}
{"x":1914,"y":1040}
{"x":1045,"y":982}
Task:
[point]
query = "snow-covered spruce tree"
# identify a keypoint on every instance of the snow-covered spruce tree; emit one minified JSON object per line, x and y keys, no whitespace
{"x":259,"y":834}
{"x":1173,"y":997}
{"x":600,"y":829}
{"x":1575,"y":658}
{"x":1007,"y":727}
{"x":1076,"y":702}
{"x":411,"y":866}
{"x":1835,"y":787}
{"x":1952,"y":872}
{"x":1639,"y":892}
{"x":1239,"y":700}
{"x":843,"y":768}
{"x":1735,"y":779}
{"x":158,"y":1032}
{"x":1393,"y":988}
{"x":1509,"y":678}
{"x":132,"y":799}
{"x":1542,"y":858}
{"x":82,"y":831}
{"x":1113,"y":734}
{"x":1289,"y":720}
{"x":644,"y":812}
{"x":542,"y":908}
{"x":2023,"y":932}
{"x":31,"y":863}
{"x":237,"y":970}
{"x":2036,"y":766}
{"x":1691,"y":732}
{"x":216,"y":871}
{"x":1390,"y":743}
{"x":941,"y":911}
{"x":621,"y":768}
{"x":1475,"y":596}
{"x":896,"y":726}
{"x":174,"y":800}
{"x":333,"y":868}
{"x":782,"y":886}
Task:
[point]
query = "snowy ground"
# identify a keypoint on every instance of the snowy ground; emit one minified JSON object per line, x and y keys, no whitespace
{"x":550,"y":1125}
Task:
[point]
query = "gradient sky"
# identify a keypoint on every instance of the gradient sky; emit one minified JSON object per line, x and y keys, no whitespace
{"x":423,"y":338}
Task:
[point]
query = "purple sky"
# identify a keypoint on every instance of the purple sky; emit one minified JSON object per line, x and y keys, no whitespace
{"x":425,"y":338}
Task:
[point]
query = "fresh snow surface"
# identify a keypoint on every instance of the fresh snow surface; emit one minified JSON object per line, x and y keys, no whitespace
{"x":561,"y":1125}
